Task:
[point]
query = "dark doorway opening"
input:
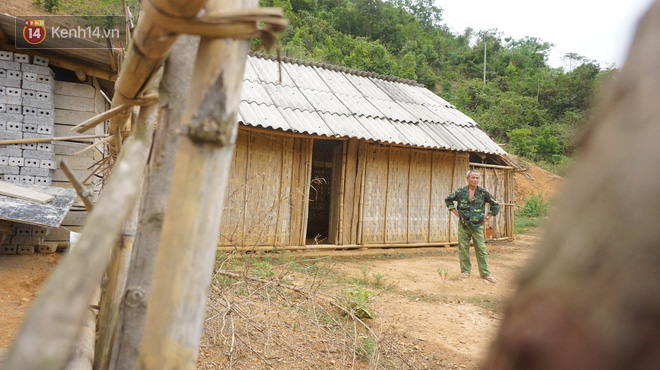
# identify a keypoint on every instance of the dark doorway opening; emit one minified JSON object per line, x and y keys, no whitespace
{"x":324,"y":192}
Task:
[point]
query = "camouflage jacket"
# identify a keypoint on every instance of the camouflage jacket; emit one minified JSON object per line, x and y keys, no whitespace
{"x":476,"y":209}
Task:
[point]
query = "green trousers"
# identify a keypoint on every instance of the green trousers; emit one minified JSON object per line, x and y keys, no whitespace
{"x":477,"y":234}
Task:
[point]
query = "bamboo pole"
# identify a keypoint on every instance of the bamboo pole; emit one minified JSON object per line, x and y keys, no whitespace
{"x":173,"y":89}
{"x":150,"y":46}
{"x":342,"y":184}
{"x":109,"y":307}
{"x":308,"y":176}
{"x":451,"y":186}
{"x":82,"y":191}
{"x":82,"y":356}
{"x":362,"y":187}
{"x":387,"y":188}
{"x":53,"y":322}
{"x":185,"y":259}
{"x":49,"y":139}
{"x":428,"y":237}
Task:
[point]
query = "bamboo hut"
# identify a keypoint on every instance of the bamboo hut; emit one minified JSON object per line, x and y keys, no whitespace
{"x":327,"y":155}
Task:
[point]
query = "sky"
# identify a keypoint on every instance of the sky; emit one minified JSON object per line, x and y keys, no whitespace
{"x":596,"y":29}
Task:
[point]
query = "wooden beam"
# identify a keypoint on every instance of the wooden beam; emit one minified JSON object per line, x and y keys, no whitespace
{"x":491,"y":166}
{"x":15,"y":191}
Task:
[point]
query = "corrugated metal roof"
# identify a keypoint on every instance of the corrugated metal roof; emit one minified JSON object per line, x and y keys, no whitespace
{"x":323,"y":101}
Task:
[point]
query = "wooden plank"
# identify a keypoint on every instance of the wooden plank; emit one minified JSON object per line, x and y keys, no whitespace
{"x":71,"y":117}
{"x":74,"y":103}
{"x":16,"y":191}
{"x":48,"y":214}
{"x":74,"y":89}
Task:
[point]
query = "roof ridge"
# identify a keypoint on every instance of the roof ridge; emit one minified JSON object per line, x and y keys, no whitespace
{"x":336,"y":68}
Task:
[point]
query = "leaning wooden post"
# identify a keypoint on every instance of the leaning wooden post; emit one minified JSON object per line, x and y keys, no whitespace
{"x":186,"y":256}
{"x":173,"y":90}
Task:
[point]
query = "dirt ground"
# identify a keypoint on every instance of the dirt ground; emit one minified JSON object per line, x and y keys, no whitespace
{"x":444,"y":324}
{"x":21,"y":277}
{"x":454,"y":319}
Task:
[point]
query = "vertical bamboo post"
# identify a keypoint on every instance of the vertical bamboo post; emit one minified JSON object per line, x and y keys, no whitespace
{"x":173,"y":89}
{"x":342,"y":185}
{"x":428,"y":239}
{"x":451,"y":188}
{"x":119,"y":262}
{"x":410,"y":155}
{"x":308,"y":176}
{"x":387,"y":189}
{"x":186,"y":255}
{"x":82,"y":356}
{"x":362,"y":187}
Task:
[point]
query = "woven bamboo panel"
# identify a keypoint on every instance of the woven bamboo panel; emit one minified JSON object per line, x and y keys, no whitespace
{"x":263,"y":189}
{"x":397,"y":196}
{"x":231,"y":229}
{"x":441,"y":174}
{"x":494,"y":183}
{"x":419,"y":196}
{"x":460,"y":169}
{"x":375,"y":195}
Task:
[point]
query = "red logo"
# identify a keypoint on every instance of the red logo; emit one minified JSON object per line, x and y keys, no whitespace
{"x":34,"y":31}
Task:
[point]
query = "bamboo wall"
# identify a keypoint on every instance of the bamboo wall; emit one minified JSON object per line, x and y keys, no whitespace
{"x":75,"y":103}
{"x":389,"y":195}
{"x":404,"y":194}
{"x":267,"y":185}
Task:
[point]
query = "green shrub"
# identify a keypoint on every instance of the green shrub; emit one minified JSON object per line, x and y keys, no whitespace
{"x":359,"y":303}
{"x":534,"y":206}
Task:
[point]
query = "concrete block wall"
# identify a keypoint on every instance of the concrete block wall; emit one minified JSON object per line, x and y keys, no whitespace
{"x":26,"y":239}
{"x":26,"y":111}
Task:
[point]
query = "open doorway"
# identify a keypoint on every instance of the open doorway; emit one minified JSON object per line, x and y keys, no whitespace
{"x":325,"y":183}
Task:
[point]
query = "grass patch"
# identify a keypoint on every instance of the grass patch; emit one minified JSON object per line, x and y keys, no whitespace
{"x":489,"y":304}
{"x":521,"y":224}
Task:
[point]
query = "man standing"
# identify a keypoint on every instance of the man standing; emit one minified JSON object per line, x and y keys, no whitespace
{"x":470,"y":210}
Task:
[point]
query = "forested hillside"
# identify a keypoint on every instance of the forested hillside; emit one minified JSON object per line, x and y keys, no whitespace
{"x":533,"y":108}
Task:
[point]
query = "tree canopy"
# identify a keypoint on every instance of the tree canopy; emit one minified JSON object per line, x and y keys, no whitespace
{"x":530,"y":106}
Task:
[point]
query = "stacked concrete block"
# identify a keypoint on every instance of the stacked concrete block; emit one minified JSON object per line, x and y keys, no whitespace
{"x":26,"y":239}
{"x":26,"y":112}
